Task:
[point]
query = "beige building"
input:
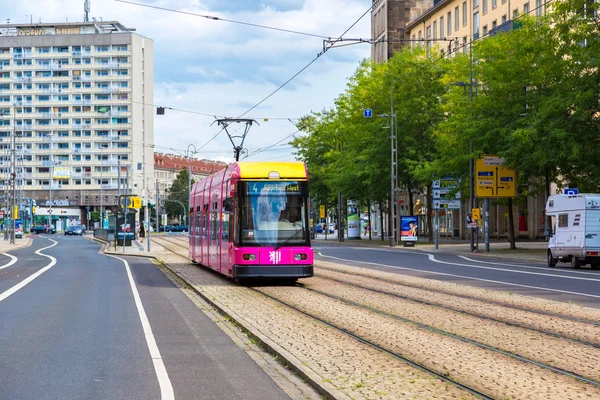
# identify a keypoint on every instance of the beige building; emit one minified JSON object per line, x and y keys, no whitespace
{"x":79,"y":98}
{"x":462,"y":21}
{"x":167,"y":166}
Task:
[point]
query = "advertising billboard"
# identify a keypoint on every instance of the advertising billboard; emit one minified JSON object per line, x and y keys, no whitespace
{"x":409,"y":228}
{"x":62,"y":172}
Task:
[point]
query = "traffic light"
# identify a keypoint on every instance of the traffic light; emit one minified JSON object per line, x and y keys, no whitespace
{"x":150,"y":205}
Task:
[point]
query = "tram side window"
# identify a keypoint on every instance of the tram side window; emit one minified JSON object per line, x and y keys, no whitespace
{"x":227,"y":220}
{"x":205,"y":221}
{"x":198,"y":221}
{"x":214,"y":219}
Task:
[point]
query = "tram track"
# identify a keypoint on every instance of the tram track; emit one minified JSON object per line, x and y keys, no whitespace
{"x":464,"y":296}
{"x":363,"y":340}
{"x":458,"y":337}
{"x":465,"y":312}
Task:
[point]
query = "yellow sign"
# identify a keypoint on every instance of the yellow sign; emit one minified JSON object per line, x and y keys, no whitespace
{"x":15,"y":212}
{"x":322,"y":211}
{"x":33,"y":209}
{"x":135,"y":202}
{"x":475,"y":214}
{"x":492,"y":180}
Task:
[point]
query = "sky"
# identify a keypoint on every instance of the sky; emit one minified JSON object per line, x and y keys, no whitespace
{"x":222,"y":69}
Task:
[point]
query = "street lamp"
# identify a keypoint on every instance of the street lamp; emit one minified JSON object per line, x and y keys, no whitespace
{"x":471,"y":160}
{"x":51,"y":180}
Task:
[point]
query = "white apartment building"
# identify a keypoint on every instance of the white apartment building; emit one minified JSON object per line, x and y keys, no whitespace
{"x":78,"y":97}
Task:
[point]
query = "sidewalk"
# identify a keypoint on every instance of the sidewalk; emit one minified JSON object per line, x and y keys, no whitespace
{"x":525,"y":251}
{"x":5,"y":245}
{"x":136,"y":249}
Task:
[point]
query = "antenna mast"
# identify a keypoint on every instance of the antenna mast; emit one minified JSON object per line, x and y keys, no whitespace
{"x":86,"y":10}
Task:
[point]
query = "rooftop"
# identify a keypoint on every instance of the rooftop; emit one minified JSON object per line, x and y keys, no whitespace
{"x":174,"y":162}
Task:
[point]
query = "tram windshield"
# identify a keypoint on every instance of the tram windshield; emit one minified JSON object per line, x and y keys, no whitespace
{"x":273,"y":213}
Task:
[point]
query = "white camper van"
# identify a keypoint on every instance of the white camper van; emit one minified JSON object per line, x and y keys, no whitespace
{"x":575,"y":232}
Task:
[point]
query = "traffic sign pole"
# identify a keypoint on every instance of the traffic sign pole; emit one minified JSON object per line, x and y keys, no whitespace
{"x":486,"y":224}
{"x":436,"y":229}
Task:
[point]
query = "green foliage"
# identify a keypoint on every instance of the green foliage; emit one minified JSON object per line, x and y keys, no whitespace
{"x":178,"y":195}
{"x":535,"y":101}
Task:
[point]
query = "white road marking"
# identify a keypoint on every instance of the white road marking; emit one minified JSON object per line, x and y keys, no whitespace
{"x":166,"y":389}
{"x":530,"y":267}
{"x":432,"y":258}
{"x":21,"y":284}
{"x":11,"y":262}
{"x":463,"y":276}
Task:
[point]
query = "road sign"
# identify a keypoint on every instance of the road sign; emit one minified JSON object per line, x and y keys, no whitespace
{"x":446,"y":204}
{"x":492,"y":180}
{"x":476,"y":215}
{"x":443,"y":194}
{"x":368,"y":113}
{"x":321,"y":211}
{"x":571,"y":191}
{"x":445,"y":183}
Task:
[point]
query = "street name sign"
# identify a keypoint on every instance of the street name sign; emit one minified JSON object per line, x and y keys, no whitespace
{"x":446,"y":204}
{"x":493,"y":180}
{"x":443,"y":194}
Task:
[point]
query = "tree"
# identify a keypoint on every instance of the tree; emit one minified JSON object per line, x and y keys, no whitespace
{"x":178,"y":195}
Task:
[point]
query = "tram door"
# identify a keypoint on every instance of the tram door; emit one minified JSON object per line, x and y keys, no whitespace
{"x":214,"y":241}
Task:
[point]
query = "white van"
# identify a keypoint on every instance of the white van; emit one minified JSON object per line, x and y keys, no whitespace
{"x":575,"y":229}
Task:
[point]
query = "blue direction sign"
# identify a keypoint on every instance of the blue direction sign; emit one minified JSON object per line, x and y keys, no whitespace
{"x":368,"y":113}
{"x":571,"y":191}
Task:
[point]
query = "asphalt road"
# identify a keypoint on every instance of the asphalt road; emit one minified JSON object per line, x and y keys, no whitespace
{"x":75,"y":324}
{"x":561,"y":283}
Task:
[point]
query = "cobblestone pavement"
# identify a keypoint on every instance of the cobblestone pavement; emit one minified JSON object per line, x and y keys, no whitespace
{"x":342,"y":366}
{"x":346,"y":368}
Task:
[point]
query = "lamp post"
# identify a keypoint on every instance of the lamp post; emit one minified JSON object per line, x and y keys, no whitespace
{"x":471,"y":160}
{"x":51,"y":180}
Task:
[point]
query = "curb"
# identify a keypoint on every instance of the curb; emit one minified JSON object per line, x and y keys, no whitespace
{"x":282,"y":356}
{"x":19,"y":247}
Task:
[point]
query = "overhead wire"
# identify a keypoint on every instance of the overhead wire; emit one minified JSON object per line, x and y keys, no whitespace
{"x":214,"y":18}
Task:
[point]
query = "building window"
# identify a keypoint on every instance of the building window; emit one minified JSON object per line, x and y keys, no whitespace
{"x":476,"y":26}
{"x":526,"y":8}
{"x":515,"y":12}
{"x":484,"y":3}
{"x":494,"y":24}
{"x":435,"y":29}
{"x":485,"y":30}
{"x":442,"y":27}
{"x":449,"y":29}
{"x":538,"y":8}
{"x":475,"y":4}
{"x":465,"y":45}
{"x":456,"y":18}
{"x":464,"y":13}
{"x":504,"y":19}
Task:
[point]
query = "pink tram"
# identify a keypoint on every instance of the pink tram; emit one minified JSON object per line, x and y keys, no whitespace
{"x":251,"y":220}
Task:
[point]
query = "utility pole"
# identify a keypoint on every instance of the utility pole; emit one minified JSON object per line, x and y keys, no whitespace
{"x":156,"y":208}
{"x":471,"y":167}
{"x":393,"y":177}
{"x":14,"y":190}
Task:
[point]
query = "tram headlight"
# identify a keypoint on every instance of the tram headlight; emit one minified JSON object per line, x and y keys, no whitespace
{"x":300,"y":256}
{"x":249,"y":257}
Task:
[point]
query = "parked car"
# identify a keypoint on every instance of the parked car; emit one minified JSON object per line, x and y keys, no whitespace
{"x":179,"y":228}
{"x":83,"y":229}
{"x":74,"y":230}
{"x":165,"y":228}
{"x":318,"y":228}
{"x":331,"y":228}
{"x":38,"y":229}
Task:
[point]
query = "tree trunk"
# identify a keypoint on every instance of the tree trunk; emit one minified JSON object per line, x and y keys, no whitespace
{"x":381,"y":219}
{"x":369,"y":205}
{"x":410,"y":202}
{"x":429,"y":214}
{"x":511,"y":225}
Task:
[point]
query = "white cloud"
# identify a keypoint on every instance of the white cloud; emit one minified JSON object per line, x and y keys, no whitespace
{"x":221,"y":68}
